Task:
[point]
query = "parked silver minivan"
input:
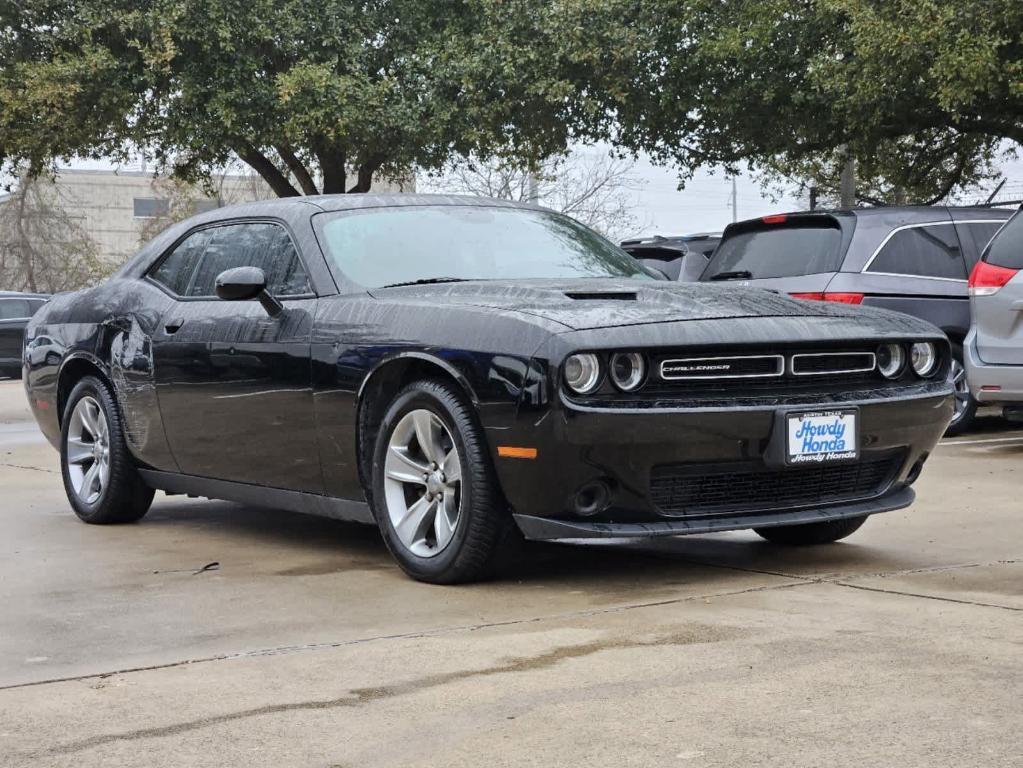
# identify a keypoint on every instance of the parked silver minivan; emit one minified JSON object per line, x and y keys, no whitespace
{"x":994,"y":346}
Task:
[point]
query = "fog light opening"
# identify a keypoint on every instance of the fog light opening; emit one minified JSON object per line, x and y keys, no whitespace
{"x":592,"y":498}
{"x":914,"y":473}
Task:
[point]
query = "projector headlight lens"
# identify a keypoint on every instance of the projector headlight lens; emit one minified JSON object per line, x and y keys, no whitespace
{"x":924,"y":358}
{"x":628,"y":369}
{"x":891,"y":359}
{"x":582,"y":372}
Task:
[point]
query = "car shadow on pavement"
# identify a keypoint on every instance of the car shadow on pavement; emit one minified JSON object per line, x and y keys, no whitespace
{"x":305,"y":545}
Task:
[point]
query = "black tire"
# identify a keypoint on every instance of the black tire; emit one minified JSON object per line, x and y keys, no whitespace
{"x":125,"y":498}
{"x":484,"y":533}
{"x":809,"y":534}
{"x":10,"y":373}
{"x":966,"y":406}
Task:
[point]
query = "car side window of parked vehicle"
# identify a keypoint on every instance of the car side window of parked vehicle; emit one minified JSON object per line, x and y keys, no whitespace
{"x":13,"y":309}
{"x":262,"y":245}
{"x":176,"y":268}
{"x":191,"y":269}
{"x":1006,"y":250}
{"x":927,"y":251}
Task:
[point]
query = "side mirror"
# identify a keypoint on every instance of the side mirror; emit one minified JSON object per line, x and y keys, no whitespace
{"x":244,"y":283}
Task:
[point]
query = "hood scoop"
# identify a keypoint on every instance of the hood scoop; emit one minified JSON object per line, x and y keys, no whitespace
{"x":601,"y":295}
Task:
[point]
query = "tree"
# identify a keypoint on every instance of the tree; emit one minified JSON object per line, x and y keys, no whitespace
{"x":920,"y":92}
{"x":42,"y":249}
{"x":896,"y":173}
{"x":594,"y":189}
{"x":314,"y":95}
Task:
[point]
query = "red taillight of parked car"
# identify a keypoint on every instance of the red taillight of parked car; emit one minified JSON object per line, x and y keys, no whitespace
{"x":987,"y":279}
{"x":841,"y":298}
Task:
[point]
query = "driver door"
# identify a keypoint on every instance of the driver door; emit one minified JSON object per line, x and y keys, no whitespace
{"x":234,"y":384}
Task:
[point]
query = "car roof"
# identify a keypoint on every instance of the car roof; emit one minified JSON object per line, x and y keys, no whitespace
{"x":350,"y":202}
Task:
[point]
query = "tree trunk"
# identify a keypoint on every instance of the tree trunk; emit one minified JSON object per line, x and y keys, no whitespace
{"x":261,"y":164}
{"x":847,"y":184}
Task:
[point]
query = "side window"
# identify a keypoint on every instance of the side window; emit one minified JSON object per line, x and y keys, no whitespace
{"x":930,"y":251}
{"x":979,"y":234}
{"x":1006,"y":250}
{"x":175,"y":270}
{"x":266,"y":246}
{"x":12,"y":309}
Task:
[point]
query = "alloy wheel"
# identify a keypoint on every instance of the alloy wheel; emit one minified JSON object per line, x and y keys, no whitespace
{"x":423,"y":483}
{"x":957,"y":375}
{"x":88,"y":450}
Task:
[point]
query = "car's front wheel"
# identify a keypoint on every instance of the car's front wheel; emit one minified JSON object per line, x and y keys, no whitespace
{"x":435,"y":496}
{"x":807,"y":534}
{"x":100,"y":477}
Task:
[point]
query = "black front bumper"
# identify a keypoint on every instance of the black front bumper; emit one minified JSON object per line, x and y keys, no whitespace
{"x":630,"y":450}
{"x":544,"y":528}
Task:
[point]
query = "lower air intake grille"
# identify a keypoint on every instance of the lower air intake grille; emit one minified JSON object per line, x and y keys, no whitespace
{"x":682,"y":490}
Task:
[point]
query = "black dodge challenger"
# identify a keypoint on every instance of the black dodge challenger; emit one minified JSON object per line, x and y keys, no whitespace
{"x":462,"y":372}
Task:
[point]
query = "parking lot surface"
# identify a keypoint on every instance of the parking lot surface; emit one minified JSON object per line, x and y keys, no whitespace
{"x":306,"y":646}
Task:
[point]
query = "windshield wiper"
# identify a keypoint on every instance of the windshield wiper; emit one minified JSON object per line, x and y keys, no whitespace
{"x":739,"y":274}
{"x":427,"y":281}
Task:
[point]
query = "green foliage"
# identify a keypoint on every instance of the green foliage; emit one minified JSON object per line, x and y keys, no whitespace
{"x":920,"y":92}
{"x":315,"y":95}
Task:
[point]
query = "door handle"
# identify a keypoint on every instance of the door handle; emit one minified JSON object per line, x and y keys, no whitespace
{"x":174,"y":326}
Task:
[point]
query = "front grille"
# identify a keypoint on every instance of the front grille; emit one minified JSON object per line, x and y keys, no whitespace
{"x":686,"y":490}
{"x":749,"y":376}
{"x":824,"y":363}
{"x":734,"y":367}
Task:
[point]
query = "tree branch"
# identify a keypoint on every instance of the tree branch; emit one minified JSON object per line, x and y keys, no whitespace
{"x":298,"y":170}
{"x":261,"y":164}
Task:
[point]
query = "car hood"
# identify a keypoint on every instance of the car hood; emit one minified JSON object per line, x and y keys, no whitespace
{"x":588,"y":304}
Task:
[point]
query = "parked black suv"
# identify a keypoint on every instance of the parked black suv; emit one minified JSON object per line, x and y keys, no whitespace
{"x":16,"y":309}
{"x":682,"y":257}
{"x":913,"y":259}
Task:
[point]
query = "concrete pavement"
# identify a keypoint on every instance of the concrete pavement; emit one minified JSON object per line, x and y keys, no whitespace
{"x":307,"y":647}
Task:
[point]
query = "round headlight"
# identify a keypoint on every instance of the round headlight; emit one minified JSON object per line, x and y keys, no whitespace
{"x":924,"y":358}
{"x":628,"y":370}
{"x":582,"y":372}
{"x":890,"y":360}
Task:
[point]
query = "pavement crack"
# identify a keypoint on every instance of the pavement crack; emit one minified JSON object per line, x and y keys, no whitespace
{"x":290,"y":649}
{"x":927,"y":597}
{"x":26,"y":466}
{"x":361,"y":696}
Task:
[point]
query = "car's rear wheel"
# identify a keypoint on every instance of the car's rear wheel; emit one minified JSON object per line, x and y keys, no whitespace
{"x":100,"y":477}
{"x":11,"y":373}
{"x":435,"y":496}
{"x":808,"y":534}
{"x":965,"y":405}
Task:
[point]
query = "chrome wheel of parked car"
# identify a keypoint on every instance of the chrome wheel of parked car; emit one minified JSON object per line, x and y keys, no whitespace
{"x":965,"y":405}
{"x":423,"y":483}
{"x":88,"y":450}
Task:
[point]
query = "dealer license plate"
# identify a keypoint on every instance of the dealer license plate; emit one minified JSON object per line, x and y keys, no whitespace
{"x":822,"y":436}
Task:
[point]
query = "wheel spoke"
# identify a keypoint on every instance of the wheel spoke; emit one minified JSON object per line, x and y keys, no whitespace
{"x":452,"y":467}
{"x":90,"y":419}
{"x":426,"y":433}
{"x":403,"y":468}
{"x":89,"y":481}
{"x":444,"y":520}
{"x":78,"y":451}
{"x":413,"y":526}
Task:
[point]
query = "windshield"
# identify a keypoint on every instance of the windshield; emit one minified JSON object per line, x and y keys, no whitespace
{"x":776,"y":252}
{"x":390,"y":246}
